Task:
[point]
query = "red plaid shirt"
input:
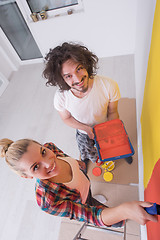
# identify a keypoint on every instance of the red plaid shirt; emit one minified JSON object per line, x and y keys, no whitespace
{"x":59,"y":200}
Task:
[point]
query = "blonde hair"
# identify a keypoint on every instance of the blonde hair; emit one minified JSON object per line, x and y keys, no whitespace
{"x":13,"y":151}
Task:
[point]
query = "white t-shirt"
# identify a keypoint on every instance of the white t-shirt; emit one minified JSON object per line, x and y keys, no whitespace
{"x":91,"y":109}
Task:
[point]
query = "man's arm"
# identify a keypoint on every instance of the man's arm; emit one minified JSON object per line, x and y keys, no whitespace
{"x":72,"y":122}
{"x":112,"y":112}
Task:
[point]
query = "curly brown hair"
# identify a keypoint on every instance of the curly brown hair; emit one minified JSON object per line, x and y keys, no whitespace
{"x":60,"y":54}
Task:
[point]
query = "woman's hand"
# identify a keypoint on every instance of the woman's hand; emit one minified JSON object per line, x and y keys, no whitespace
{"x":135,"y":211}
{"x":128,"y":210}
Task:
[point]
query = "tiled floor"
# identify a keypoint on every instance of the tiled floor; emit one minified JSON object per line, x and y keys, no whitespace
{"x":26,"y":110}
{"x":70,"y":229}
{"x":88,"y":232}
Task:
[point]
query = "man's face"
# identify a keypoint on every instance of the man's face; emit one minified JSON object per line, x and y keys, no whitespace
{"x":75,"y":75}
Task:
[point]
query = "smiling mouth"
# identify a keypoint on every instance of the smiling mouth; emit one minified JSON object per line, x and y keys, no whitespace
{"x":80,"y":83}
{"x":52,"y":168}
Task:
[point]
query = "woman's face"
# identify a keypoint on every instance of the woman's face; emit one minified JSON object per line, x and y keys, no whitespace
{"x":39,"y":162}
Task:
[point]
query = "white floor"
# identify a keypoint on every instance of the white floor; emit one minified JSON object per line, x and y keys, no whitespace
{"x":26,"y":111}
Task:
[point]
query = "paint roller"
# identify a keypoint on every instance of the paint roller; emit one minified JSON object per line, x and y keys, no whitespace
{"x":153,"y":210}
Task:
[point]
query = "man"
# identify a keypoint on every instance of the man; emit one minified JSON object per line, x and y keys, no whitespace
{"x":84,"y":99}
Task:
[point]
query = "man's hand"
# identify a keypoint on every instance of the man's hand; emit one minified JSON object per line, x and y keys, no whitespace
{"x":72,"y":122}
{"x":89,"y":131}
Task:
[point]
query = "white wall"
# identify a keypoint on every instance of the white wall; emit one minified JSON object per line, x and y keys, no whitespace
{"x":9,"y":60}
{"x":107,"y":27}
{"x":145,"y":15}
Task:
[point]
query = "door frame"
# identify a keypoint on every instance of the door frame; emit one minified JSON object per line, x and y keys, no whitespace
{"x":5,"y":83}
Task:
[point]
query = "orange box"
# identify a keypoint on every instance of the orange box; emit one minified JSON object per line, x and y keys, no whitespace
{"x":112,"y":141}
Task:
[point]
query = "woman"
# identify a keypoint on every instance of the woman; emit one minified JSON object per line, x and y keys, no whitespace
{"x":62,"y":188}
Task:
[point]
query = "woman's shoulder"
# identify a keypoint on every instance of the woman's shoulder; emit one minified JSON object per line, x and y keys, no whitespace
{"x":47,"y":193}
{"x":44,"y":184}
{"x":55,"y":149}
{"x":47,"y":189}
